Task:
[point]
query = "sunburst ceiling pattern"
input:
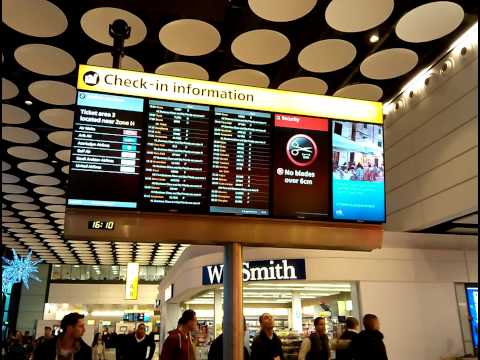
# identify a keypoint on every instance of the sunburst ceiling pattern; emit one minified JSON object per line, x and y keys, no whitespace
{"x":321,"y":47}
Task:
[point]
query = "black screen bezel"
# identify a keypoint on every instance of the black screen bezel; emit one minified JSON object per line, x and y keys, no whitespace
{"x":201,"y":211}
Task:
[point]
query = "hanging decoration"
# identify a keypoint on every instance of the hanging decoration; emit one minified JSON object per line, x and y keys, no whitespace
{"x":17,"y":270}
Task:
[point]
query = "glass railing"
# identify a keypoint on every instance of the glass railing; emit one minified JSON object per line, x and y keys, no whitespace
{"x":104,"y":273}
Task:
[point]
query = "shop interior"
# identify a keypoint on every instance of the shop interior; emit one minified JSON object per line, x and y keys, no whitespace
{"x":118,"y":318}
{"x":294,"y":306}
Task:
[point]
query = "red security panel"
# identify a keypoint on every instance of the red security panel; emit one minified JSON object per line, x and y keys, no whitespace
{"x":301,"y":122}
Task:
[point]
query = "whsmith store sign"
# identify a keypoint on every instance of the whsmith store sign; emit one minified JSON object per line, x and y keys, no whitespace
{"x":264,"y":270}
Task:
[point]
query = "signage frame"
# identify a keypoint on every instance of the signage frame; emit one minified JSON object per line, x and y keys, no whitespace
{"x":213,"y":274}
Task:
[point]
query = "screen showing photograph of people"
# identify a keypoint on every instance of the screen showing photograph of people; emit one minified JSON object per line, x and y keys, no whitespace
{"x":358,"y":177}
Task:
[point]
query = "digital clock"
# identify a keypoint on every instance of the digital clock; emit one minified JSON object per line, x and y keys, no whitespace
{"x":101,"y":225}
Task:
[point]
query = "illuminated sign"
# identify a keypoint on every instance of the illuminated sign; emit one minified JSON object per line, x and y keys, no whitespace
{"x":131,"y":285}
{"x":169,"y":292}
{"x":101,"y":225}
{"x":115,"y":81}
{"x":264,"y":270}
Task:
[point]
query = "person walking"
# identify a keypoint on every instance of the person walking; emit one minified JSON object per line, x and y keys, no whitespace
{"x":368,"y":345}
{"x":47,"y":335}
{"x":98,"y":347}
{"x":178,"y":345}
{"x":343,"y":350}
{"x":16,"y":348}
{"x":316,"y":346}
{"x":267,"y":345}
{"x":216,"y":348}
{"x":139,"y":345}
{"x":69,"y":345}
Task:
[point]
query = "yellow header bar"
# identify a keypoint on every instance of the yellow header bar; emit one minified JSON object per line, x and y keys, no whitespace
{"x":124,"y":82}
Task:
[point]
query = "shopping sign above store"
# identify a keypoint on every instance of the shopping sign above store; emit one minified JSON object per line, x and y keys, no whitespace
{"x":264,"y":270}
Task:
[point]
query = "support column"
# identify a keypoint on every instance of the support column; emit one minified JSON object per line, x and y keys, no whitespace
{"x":233,"y":303}
{"x":297,"y":313}
{"x":217,"y":312}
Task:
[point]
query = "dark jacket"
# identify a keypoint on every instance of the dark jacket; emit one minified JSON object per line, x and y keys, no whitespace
{"x":345,"y":353}
{"x":320,"y":348}
{"x":137,"y":350}
{"x":264,"y":348}
{"x":48,"y":351}
{"x":368,"y":345}
{"x":177,"y":347}
{"x":216,"y":350}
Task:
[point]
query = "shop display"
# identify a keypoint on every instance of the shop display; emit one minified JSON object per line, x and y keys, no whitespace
{"x":291,"y":342}
{"x":156,"y":155}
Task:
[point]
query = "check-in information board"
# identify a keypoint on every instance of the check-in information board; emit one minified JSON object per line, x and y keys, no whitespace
{"x":150,"y":144}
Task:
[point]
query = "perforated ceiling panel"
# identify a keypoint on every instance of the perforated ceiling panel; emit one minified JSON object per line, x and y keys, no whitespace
{"x":310,"y":46}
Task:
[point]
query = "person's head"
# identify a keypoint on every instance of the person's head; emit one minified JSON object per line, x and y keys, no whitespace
{"x":27,"y":333}
{"x":47,"y":331}
{"x":73,"y":325}
{"x":319,"y":324}
{"x":370,"y":322}
{"x":266,"y":321}
{"x":188,"y":321}
{"x":140,"y":332}
{"x":352,"y":323}
{"x":18,"y":335}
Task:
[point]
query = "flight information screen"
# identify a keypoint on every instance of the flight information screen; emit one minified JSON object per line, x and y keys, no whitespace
{"x":241,"y":162}
{"x":106,"y":151}
{"x":160,"y":155}
{"x":176,"y":156}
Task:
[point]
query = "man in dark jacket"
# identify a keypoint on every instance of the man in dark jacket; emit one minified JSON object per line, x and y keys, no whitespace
{"x":216,"y":348}
{"x":316,"y":346}
{"x":69,"y":344}
{"x":139,"y":345}
{"x":267,"y":345}
{"x":343,"y":349}
{"x":368,"y":345}
{"x":178,"y":345}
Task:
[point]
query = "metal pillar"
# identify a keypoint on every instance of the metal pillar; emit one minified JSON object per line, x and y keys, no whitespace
{"x":233,"y":331}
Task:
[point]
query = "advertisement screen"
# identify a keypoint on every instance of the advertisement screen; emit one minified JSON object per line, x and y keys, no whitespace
{"x":358,"y":172}
{"x":301,"y":162}
{"x":472,"y":301}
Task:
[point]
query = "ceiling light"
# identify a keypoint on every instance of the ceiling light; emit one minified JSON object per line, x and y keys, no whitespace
{"x":374,"y":38}
{"x":28,"y":102}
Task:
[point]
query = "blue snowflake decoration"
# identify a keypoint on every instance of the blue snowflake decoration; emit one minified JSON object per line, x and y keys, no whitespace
{"x":18,"y":269}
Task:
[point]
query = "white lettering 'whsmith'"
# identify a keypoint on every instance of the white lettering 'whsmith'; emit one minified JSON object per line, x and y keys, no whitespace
{"x":278,"y":271}
{"x":215,"y":274}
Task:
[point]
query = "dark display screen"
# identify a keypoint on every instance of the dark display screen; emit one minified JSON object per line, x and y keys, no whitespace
{"x":176,"y":156}
{"x":241,"y":162}
{"x":171,"y":156}
{"x":301,"y":167}
{"x":106,"y":150}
